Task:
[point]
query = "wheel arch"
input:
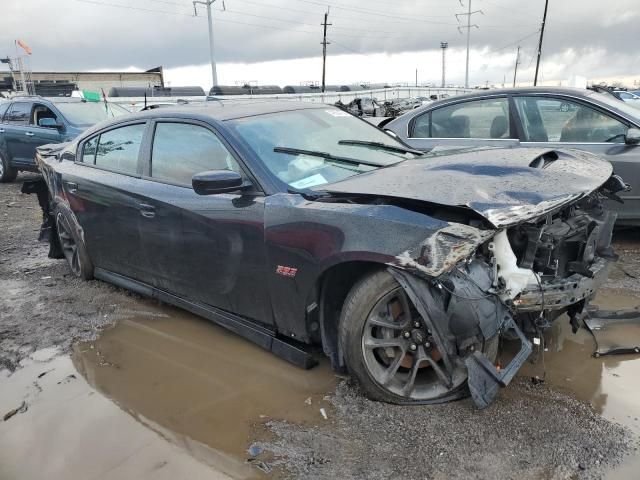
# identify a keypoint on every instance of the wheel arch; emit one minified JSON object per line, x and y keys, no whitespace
{"x":329,"y":293}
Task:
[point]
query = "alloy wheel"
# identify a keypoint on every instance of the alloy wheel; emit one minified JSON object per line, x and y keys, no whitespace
{"x":401,"y":354}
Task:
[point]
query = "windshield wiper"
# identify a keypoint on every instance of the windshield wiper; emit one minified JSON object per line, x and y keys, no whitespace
{"x":383,"y":146}
{"x":327,"y":156}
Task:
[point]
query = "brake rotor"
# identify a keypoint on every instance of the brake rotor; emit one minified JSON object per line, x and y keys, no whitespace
{"x":395,"y":309}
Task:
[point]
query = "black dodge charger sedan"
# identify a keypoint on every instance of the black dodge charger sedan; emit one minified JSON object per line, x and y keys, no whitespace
{"x":300,"y":227}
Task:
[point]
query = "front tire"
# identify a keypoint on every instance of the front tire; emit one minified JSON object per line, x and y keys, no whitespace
{"x":389,"y":350}
{"x":7,"y":173}
{"x":72,"y":245}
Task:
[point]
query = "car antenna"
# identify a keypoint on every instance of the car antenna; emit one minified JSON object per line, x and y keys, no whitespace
{"x":106,"y":104}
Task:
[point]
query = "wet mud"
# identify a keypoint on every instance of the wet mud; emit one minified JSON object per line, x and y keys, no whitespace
{"x":104,"y":384}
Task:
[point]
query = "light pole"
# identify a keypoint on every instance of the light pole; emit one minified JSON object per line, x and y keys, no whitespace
{"x":444,"y":46}
{"x":208,"y":3}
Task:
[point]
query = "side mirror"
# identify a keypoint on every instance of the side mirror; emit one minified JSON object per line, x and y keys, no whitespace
{"x":48,"y":123}
{"x":633,"y":136}
{"x":218,"y":181}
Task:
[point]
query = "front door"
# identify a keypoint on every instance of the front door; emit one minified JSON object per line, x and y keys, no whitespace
{"x":557,"y":122}
{"x":208,"y":249}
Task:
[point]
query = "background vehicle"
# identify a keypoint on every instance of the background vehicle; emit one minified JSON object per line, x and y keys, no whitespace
{"x":539,"y":117}
{"x":629,"y":97}
{"x":31,"y":121}
{"x":297,"y":224}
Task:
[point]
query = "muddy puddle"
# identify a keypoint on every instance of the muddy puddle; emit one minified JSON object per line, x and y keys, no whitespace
{"x":164,"y":394}
{"x":609,"y":384}
{"x":160,"y":392}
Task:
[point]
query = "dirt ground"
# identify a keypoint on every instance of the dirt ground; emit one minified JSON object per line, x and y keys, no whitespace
{"x":226,"y":404}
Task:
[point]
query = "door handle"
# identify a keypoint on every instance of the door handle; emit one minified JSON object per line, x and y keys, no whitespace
{"x":147,"y":211}
{"x":1,"y":130}
{"x":71,"y":187}
{"x":29,"y":134}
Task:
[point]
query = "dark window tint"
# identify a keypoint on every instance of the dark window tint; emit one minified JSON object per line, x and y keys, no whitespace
{"x":3,"y":108}
{"x":19,"y":113}
{"x":477,"y":119}
{"x":546,"y":119}
{"x":89,"y":150}
{"x":181,"y":150}
{"x":118,"y":149}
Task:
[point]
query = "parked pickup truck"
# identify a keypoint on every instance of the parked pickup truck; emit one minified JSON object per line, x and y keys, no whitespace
{"x":30,"y":121}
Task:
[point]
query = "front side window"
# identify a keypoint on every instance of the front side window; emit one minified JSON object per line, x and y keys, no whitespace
{"x":118,"y":149}
{"x":19,"y":114}
{"x":546,"y":119}
{"x":486,"y":119}
{"x":181,"y":150}
{"x":39,"y":112}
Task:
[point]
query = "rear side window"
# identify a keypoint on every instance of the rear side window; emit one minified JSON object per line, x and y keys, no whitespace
{"x":487,"y":119}
{"x":118,"y":149}
{"x":3,"y":109}
{"x":181,"y":150}
{"x":18,"y":114}
{"x":89,"y":150}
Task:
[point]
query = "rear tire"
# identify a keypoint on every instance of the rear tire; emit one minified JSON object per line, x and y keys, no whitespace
{"x":384,"y":372}
{"x":72,"y":244}
{"x":7,"y":173}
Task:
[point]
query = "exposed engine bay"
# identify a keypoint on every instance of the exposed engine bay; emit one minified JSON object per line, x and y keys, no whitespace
{"x":512,"y":281}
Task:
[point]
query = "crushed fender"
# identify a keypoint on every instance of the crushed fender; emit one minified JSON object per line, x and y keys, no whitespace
{"x":441,"y":251}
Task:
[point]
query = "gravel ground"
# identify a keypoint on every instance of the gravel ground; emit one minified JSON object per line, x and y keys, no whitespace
{"x":42,"y":304}
{"x":530,"y":432}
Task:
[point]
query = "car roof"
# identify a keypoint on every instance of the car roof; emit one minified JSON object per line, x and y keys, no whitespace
{"x":38,"y":98}
{"x":580,"y":92}
{"x":222,"y":110}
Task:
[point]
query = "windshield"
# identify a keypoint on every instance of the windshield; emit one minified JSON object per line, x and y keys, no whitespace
{"x":89,"y":113}
{"x":334,"y":141}
{"x":609,"y":100}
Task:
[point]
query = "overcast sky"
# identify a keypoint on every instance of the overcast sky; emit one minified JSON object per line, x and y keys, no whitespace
{"x":278,"y":41}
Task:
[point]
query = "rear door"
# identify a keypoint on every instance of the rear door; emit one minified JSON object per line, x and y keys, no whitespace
{"x":103,"y":197}
{"x":208,"y":249}
{"x":561,"y":122}
{"x":478,"y":122}
{"x":18,"y":135}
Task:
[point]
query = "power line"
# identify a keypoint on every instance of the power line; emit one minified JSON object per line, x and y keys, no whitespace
{"x":374,"y":12}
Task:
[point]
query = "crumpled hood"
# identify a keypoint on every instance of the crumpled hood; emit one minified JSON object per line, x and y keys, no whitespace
{"x":504,"y":185}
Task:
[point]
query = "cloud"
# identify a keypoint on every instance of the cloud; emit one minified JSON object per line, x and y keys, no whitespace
{"x":80,"y":35}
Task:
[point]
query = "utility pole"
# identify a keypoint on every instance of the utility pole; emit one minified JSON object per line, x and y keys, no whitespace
{"x":515,"y":70}
{"x":468,"y":27}
{"x":416,"y":77}
{"x":544,"y":21}
{"x":444,"y":46}
{"x":324,"y":48}
{"x":208,"y":3}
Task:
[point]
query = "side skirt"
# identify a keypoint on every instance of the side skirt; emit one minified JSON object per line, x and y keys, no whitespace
{"x":284,"y":348}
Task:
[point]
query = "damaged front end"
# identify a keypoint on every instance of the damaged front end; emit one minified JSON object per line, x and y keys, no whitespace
{"x":471,"y":285}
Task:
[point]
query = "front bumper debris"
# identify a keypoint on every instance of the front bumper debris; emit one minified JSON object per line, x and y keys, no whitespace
{"x":563,"y":292}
